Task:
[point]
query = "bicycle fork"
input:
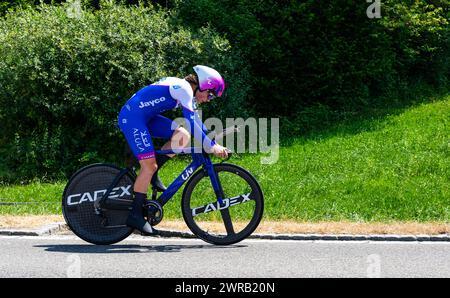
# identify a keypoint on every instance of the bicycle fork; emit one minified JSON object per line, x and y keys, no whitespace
{"x":218,"y":190}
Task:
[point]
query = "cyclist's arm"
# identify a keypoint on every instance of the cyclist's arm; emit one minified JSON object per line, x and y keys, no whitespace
{"x":200,"y":123}
{"x":196,"y":129}
{"x":183,"y":93}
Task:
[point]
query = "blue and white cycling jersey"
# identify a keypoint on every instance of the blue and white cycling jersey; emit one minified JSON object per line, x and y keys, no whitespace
{"x":140,"y":117}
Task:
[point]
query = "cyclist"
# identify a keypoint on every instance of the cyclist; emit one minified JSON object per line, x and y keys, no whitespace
{"x":140,"y":119}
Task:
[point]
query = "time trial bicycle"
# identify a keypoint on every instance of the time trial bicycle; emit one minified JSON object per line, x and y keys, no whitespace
{"x":221,"y":203}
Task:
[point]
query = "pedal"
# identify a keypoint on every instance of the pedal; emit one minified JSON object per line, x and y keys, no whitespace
{"x":154,"y":212}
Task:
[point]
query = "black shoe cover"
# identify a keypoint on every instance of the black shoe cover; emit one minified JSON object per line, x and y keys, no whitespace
{"x":141,"y":224}
{"x":157,"y":183}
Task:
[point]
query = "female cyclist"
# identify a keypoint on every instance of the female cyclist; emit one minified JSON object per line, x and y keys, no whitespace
{"x":140,"y":119}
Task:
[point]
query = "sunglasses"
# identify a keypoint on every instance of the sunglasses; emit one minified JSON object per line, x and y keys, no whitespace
{"x":211,"y":95}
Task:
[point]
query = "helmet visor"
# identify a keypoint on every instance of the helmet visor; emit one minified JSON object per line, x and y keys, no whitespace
{"x":211,"y":94}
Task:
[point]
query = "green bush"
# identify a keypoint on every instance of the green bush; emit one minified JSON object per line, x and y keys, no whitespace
{"x":308,"y":53}
{"x":6,"y":5}
{"x":65,"y":74}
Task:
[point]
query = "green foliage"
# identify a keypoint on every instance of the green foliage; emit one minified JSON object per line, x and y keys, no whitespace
{"x":305,"y":53}
{"x":66,"y":69}
{"x":392,"y":167}
{"x":66,"y":73}
{"x":6,"y":5}
{"x":420,"y":33}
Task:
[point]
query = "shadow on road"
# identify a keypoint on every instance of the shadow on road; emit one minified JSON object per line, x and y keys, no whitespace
{"x":119,"y":249}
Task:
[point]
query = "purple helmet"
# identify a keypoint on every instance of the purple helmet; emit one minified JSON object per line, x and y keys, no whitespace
{"x":209,"y":79}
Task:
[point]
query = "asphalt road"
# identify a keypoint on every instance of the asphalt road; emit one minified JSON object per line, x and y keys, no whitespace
{"x":67,"y":256}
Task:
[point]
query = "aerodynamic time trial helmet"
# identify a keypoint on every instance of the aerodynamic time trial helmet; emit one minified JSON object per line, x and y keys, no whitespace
{"x":209,"y":79}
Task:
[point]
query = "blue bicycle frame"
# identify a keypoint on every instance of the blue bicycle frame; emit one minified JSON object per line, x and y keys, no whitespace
{"x":199,"y":159}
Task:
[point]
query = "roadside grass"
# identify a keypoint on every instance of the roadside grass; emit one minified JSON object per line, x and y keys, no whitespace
{"x":33,"y":198}
{"x":395,"y":167}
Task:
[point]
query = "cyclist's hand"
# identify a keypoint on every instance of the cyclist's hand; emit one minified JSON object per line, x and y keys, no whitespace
{"x":219,"y":151}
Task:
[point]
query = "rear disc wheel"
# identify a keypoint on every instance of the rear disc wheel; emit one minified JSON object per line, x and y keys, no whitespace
{"x":83,"y":188}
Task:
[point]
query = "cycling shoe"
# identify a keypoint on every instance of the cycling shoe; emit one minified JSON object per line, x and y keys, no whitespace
{"x":157,"y":183}
{"x":141,"y":225}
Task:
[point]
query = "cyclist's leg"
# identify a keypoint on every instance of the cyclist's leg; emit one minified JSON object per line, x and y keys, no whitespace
{"x":138,"y":137}
{"x":136,"y":218}
{"x":180,"y":139}
{"x":162,"y":127}
{"x":148,"y":168}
